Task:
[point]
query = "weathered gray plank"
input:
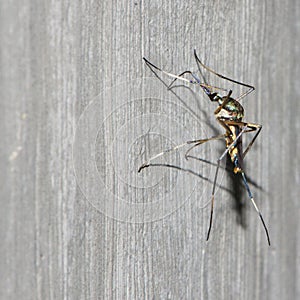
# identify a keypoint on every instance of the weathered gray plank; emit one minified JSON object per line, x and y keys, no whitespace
{"x":68,"y":64}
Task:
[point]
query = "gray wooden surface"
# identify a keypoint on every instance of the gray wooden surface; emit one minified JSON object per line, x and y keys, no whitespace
{"x":67,"y":234}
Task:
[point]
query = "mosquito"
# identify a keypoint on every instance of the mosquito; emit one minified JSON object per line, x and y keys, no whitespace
{"x":229,"y":114}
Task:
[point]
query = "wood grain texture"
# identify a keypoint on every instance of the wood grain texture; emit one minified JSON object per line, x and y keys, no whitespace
{"x":58,"y":57}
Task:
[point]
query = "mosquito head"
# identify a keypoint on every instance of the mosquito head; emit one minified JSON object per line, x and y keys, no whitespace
{"x":212,"y":96}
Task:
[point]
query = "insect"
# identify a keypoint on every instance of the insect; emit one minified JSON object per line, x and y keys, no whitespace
{"x":229,"y":114}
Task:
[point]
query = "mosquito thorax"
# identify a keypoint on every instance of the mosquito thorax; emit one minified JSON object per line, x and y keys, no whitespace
{"x":232,"y":110}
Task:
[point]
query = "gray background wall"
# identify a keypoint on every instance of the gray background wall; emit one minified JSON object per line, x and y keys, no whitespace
{"x":108,"y":232}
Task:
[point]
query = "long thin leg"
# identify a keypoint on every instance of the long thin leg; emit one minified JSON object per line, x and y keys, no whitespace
{"x":179,"y":77}
{"x":216,"y":176}
{"x":185,"y":72}
{"x":203,"y":85}
{"x":213,"y":199}
{"x":226,"y":100}
{"x":148,"y":162}
{"x":252,"y":127}
{"x":250,"y":87}
{"x":258,"y":128}
{"x":197,"y":142}
{"x":255,"y":206}
{"x":150,"y":65}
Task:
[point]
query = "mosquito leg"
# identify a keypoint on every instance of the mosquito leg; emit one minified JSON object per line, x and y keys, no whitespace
{"x":250,"y":87}
{"x":245,"y":94}
{"x":258,"y":128}
{"x":199,"y":142}
{"x":197,"y":80}
{"x":213,"y":199}
{"x":216,"y":176}
{"x":255,"y":206}
{"x":179,"y":77}
{"x":226,"y":100}
{"x":150,"y":65}
{"x":251,"y":127}
{"x":196,"y":142}
{"x":219,"y":75}
{"x":147,"y":163}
